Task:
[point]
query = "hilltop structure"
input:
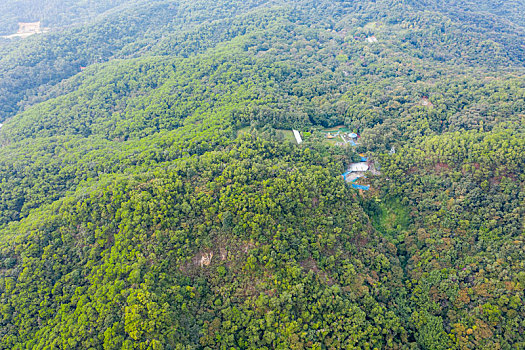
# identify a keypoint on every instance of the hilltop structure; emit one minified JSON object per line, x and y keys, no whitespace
{"x":26,"y":29}
{"x":29,"y":28}
{"x":358,"y":167}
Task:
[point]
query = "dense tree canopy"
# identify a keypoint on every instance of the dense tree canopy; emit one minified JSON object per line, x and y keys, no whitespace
{"x":152,"y":196}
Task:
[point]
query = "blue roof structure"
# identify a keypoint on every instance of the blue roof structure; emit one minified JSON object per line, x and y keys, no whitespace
{"x":361,"y":187}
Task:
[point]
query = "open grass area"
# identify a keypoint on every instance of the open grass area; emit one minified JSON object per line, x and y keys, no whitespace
{"x":287,"y":134}
{"x":390,"y":218}
{"x":333,"y":141}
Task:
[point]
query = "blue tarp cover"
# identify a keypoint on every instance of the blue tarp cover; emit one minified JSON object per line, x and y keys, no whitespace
{"x":356,"y":186}
{"x":361,"y":187}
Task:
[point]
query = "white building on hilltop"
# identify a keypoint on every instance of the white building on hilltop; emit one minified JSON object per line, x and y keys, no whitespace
{"x":358,"y":167}
{"x":29,"y":28}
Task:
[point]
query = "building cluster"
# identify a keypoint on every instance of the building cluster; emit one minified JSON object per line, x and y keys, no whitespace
{"x":26,"y":29}
{"x":29,"y":28}
{"x":346,"y":137}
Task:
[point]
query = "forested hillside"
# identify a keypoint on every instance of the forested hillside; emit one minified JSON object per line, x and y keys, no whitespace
{"x":150,"y":198}
{"x":53,"y":14}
